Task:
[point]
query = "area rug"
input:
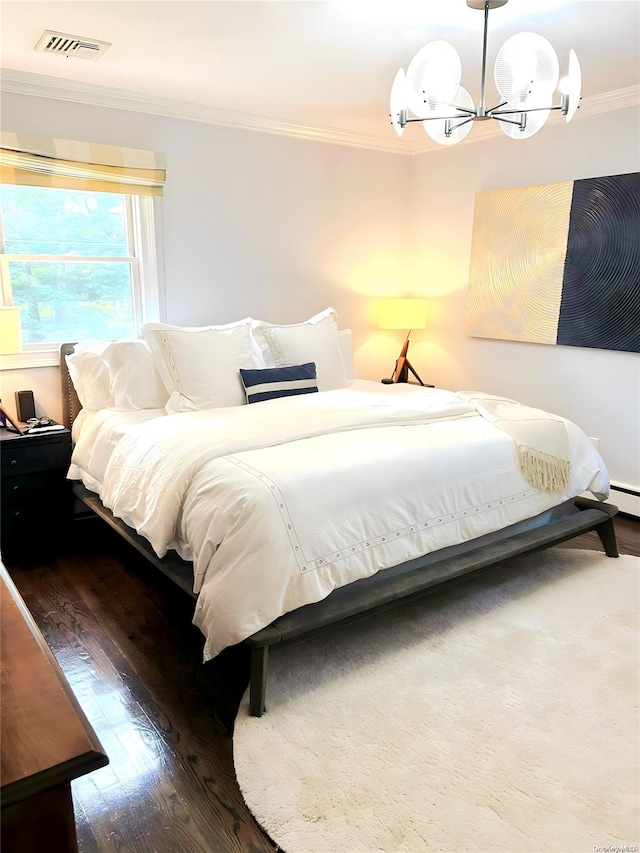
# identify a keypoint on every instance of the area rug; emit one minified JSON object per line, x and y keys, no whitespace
{"x":499,"y":715}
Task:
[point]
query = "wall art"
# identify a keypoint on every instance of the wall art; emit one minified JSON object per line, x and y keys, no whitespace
{"x":558,"y":264}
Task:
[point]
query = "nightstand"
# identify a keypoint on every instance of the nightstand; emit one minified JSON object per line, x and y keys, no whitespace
{"x":36,"y":497}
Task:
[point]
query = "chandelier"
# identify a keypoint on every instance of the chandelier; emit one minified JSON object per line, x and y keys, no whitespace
{"x":526,"y":75}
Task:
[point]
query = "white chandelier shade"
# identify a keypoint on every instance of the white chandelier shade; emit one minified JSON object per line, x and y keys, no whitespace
{"x":399,"y":100}
{"x":433,"y":76}
{"x":526,"y":65}
{"x":574,"y":85}
{"x":526,"y":75}
{"x":530,"y":122}
{"x":440,"y":130}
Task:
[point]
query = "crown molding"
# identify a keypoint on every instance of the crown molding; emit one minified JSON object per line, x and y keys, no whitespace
{"x":24,"y":83}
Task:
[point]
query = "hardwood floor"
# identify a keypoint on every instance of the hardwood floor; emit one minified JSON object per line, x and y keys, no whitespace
{"x":122,"y":635}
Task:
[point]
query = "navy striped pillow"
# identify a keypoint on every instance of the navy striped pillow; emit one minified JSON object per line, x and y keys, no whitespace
{"x":272,"y":382}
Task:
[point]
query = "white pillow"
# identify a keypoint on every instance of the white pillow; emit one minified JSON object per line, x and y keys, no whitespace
{"x":345,"y":341}
{"x":314,"y":340}
{"x":134,"y":380}
{"x":90,"y":375}
{"x":200,"y":367}
{"x":327,"y":316}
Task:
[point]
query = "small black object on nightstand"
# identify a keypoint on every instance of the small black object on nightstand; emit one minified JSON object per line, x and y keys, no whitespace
{"x":25,"y":405}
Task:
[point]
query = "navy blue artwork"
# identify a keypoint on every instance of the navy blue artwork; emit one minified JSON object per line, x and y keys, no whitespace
{"x":600,"y":305}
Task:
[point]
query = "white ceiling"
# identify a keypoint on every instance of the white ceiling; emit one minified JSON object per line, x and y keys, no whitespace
{"x":323,"y":65}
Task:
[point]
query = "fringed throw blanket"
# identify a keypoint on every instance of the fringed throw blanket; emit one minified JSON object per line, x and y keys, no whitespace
{"x":541,"y":439}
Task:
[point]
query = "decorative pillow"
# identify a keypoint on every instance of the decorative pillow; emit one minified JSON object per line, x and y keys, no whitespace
{"x":273,"y":382}
{"x":134,"y":380}
{"x":314,"y":341}
{"x":90,"y":375}
{"x":199,"y":366}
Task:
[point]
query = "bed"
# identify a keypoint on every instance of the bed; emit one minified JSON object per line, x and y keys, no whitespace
{"x":308,"y":510}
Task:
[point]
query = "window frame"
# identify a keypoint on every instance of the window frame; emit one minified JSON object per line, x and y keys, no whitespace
{"x":144,"y":239}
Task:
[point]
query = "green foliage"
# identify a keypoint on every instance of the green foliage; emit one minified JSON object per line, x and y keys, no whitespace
{"x":71,"y":298}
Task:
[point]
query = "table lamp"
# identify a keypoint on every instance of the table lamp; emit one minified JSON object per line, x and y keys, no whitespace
{"x":405,"y":314}
{"x":10,"y":343}
{"x":10,"y":336}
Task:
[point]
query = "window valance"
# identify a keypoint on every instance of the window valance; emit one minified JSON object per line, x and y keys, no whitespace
{"x":68,"y":164}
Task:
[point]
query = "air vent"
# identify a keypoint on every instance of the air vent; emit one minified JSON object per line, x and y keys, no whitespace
{"x":65,"y":44}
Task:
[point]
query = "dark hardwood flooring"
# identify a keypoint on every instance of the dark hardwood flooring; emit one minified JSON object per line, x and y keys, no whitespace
{"x":122,"y":635}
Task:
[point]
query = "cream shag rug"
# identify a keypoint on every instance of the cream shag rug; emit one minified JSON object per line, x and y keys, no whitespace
{"x":500,"y":715}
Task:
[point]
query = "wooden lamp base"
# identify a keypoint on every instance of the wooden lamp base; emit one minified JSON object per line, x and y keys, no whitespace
{"x":404,"y":367}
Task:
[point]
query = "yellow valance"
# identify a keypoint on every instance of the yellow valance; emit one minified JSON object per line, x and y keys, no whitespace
{"x":67,"y":164}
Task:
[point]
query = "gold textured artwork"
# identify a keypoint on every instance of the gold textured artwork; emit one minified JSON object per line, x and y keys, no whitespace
{"x":518,"y":254}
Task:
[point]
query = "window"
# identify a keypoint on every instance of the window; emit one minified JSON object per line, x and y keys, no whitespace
{"x":79,"y":262}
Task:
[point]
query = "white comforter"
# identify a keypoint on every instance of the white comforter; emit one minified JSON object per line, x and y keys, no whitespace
{"x":280,"y":502}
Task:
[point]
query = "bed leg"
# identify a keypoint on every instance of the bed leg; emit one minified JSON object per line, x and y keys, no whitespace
{"x":258,"y":681}
{"x":606,"y":532}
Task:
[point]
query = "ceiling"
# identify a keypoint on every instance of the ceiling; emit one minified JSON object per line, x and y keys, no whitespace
{"x":315,"y":65}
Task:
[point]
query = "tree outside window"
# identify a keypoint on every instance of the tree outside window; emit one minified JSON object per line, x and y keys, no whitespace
{"x":70,"y":262}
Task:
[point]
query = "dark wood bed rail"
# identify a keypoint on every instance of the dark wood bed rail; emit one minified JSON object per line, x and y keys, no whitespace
{"x":422,"y":576}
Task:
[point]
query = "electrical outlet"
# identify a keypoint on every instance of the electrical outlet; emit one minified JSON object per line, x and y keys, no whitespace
{"x":595,"y":442}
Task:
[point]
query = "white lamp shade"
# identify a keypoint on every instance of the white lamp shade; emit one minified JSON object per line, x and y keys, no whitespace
{"x":403,"y":314}
{"x":10,"y":333}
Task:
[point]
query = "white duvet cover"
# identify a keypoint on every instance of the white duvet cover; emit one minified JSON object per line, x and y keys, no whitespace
{"x":280,"y":502}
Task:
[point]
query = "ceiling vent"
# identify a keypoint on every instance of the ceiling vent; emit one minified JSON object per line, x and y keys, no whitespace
{"x":65,"y":44}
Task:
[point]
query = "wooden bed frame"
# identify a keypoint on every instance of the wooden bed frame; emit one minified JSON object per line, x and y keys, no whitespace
{"x":382,"y":591}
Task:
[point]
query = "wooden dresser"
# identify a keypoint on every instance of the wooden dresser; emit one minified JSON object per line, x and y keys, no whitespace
{"x":45,"y":738}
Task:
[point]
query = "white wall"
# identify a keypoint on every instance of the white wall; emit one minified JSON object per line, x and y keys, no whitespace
{"x":598,"y":389}
{"x":254,"y":224}
{"x":262,"y":225}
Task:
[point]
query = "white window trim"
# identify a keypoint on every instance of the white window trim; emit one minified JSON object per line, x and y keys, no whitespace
{"x":149,"y":303}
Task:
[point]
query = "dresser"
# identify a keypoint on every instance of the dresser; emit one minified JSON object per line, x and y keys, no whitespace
{"x":45,"y":739}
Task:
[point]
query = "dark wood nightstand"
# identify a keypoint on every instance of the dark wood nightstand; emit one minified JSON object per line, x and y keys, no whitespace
{"x":36,"y":497}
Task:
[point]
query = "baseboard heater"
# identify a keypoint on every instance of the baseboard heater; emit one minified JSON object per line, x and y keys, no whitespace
{"x":626,"y":498}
